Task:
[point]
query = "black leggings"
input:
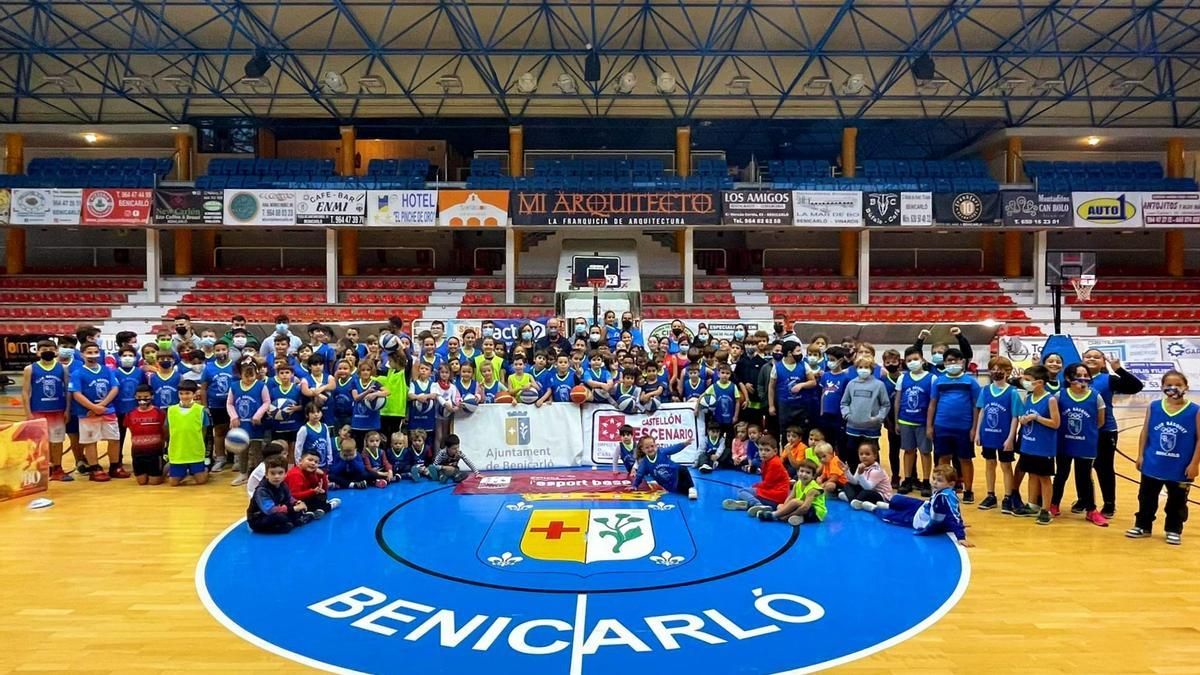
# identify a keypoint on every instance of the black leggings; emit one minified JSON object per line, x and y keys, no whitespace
{"x":1106,"y":476}
{"x":684,"y":482}
{"x":1083,"y":481}
{"x":1176,"y":509}
{"x":275,"y":523}
{"x":857,"y":492}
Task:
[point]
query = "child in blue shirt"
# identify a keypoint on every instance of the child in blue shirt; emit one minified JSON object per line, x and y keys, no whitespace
{"x":952,"y":417}
{"x":1083,"y":414}
{"x":940,"y":514}
{"x":912,"y":415}
{"x":713,"y":450}
{"x":1168,"y":458}
{"x":625,"y":454}
{"x":659,"y":472}
{"x":1039,"y":443}
{"x":832,"y":382}
{"x":999,"y":405}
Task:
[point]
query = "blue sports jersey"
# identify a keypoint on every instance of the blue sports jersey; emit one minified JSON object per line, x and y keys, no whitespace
{"x":693,"y":388}
{"x":662,"y":469}
{"x":1170,"y":442}
{"x":271,"y":364}
{"x":833,"y":385}
{"x":726,"y":407}
{"x":1102,"y":384}
{"x":94,"y":385}
{"x":374,"y":461}
{"x":471,"y":386}
{"x":287,"y":421}
{"x":542,"y":377}
{"x":362,"y":417}
{"x":340,"y":400}
{"x":246,"y":402}
{"x":998,"y":405}
{"x":490,"y":391}
{"x":217,"y":379}
{"x":664,"y":381}
{"x":561,"y":386}
{"x":128,"y":382}
{"x":47,"y":387}
{"x":1038,"y":439}
{"x":317,"y":439}
{"x":914,"y":398}
{"x":956,"y":397}
{"x":402,"y":462}
{"x":602,"y":376}
{"x":1079,"y":432}
{"x":418,"y":419}
{"x":787,"y":377}
{"x":166,"y":389}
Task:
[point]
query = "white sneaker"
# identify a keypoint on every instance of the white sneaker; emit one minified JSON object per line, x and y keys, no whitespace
{"x":733,"y":505}
{"x":856,"y":504}
{"x":692,"y":494}
{"x":218,"y":465}
{"x":842,"y":496}
{"x":870,"y":506}
{"x":239,"y":479}
{"x":334,"y":503}
{"x":795,"y":521}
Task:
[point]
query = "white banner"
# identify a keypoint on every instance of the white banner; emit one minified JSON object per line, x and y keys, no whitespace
{"x":827,"y":208}
{"x":672,"y":424}
{"x":916,"y":209}
{"x":44,"y":206}
{"x":1171,"y":209}
{"x":1126,"y":349}
{"x":499,"y":436}
{"x":1180,"y":348}
{"x":391,"y":208}
{"x":331,"y":207}
{"x":1107,"y":209}
{"x":719,"y":330}
{"x":260,"y":207}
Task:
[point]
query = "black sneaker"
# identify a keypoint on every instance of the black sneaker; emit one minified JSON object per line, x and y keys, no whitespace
{"x":1077,"y":507}
{"x":969,"y":497}
{"x":1109,"y":510}
{"x":906,"y":486}
{"x":926,"y":489}
{"x":989,"y":502}
{"x":1006,"y":505}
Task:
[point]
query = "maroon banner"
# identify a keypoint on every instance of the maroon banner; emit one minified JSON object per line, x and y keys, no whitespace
{"x":545,"y":482}
{"x":115,"y":206}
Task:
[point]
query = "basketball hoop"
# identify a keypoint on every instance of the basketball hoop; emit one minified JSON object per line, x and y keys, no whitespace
{"x":1083,"y":285}
{"x":597,"y":283}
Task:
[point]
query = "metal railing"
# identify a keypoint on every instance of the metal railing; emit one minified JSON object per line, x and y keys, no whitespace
{"x":282,"y":250}
{"x":95,"y":250}
{"x":771,"y":252}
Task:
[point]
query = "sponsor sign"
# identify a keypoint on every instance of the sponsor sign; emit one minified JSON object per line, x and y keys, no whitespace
{"x":966,"y":208}
{"x":182,"y":206}
{"x":536,"y":483}
{"x":898,"y":209}
{"x":260,"y":207}
{"x":756,"y":207}
{"x":331,"y":207}
{"x":418,"y":208}
{"x":1150,"y":372}
{"x":45,"y":206}
{"x":672,"y":425}
{"x":719,"y":330}
{"x":1036,"y":209}
{"x":473,"y":208}
{"x":5,"y":201}
{"x":1107,"y":209}
{"x":1181,"y":349}
{"x":916,"y":209}
{"x":827,"y":208}
{"x":24,"y":459}
{"x":616,"y":209}
{"x":116,"y":206}
{"x":1128,"y":349}
{"x":521,"y":437}
{"x":1171,"y":209}
{"x":18,"y":351}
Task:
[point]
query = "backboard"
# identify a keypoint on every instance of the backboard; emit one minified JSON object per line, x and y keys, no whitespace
{"x":1063,"y":265}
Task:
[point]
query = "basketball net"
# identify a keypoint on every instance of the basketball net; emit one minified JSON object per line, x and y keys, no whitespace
{"x":597,"y":283}
{"x":1083,"y":286}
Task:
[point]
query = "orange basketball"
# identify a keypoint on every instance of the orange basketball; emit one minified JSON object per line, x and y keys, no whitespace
{"x":579,"y":394}
{"x":504,"y":397}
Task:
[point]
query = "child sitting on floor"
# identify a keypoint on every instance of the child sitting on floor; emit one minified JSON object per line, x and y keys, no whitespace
{"x":445,"y":465}
{"x":768,"y":493}
{"x":940,"y":514}
{"x":272,"y":509}
{"x":870,"y":483}
{"x":807,"y":503}
{"x":348,"y":469}
{"x":309,"y":484}
{"x":832,"y":471}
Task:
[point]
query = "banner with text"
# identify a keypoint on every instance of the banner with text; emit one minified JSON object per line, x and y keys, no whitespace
{"x":756,"y":207}
{"x":521,"y":437}
{"x":898,"y":209}
{"x":116,"y":206}
{"x":183,"y":206}
{"x":720,"y":330}
{"x":473,"y":208}
{"x":331,"y":207}
{"x":260,"y":207}
{"x":1107,"y":209}
{"x":1171,"y":209}
{"x":827,"y":208}
{"x":1036,"y":209}
{"x":966,"y":208}
{"x":1150,"y":373}
{"x":671,"y":425}
{"x":404,"y":208}
{"x":24,"y":459}
{"x":45,"y":206}
{"x":5,"y":202}
{"x":615,"y":209}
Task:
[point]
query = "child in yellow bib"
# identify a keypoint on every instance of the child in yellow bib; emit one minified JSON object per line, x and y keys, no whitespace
{"x":186,"y":421}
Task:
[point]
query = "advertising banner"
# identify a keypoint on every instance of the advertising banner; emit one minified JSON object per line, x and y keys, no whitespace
{"x":827,"y":208}
{"x":1107,"y":209}
{"x":18,"y":351}
{"x":1150,"y":372}
{"x":672,"y":425}
{"x":1171,"y":209}
{"x":720,"y":330}
{"x":615,"y":209}
{"x":505,"y":329}
{"x":116,"y":206}
{"x":566,"y":485}
{"x":44,"y":206}
{"x":24,"y":459}
{"x":916,"y":209}
{"x":1125,"y":349}
{"x":5,"y":201}
{"x":184,"y":206}
{"x":473,"y":208}
{"x":1181,"y":349}
{"x":756,"y":207}
{"x":260,"y":207}
{"x":65,"y":206}
{"x":522,"y":436}
{"x":1036,"y":209}
{"x":966,"y":208}
{"x":403,"y":208}
{"x":331,"y":207}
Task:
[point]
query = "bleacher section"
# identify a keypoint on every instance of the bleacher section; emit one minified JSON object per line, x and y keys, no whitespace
{"x":887,"y":175}
{"x":68,"y":172}
{"x":57,"y":305}
{"x":312,"y":174}
{"x":600,"y":175}
{"x":1128,"y":307}
{"x":1103,"y":176}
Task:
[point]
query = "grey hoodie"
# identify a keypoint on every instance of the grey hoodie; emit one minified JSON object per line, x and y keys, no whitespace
{"x":864,"y":406}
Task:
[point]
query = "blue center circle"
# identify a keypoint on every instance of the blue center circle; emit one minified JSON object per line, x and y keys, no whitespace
{"x":416,"y":578}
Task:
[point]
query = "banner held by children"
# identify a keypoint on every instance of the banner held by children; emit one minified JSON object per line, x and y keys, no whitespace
{"x":500,"y":436}
{"x":672,"y":424}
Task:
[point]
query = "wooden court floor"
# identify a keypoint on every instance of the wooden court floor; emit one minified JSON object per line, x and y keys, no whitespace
{"x":102,"y":582}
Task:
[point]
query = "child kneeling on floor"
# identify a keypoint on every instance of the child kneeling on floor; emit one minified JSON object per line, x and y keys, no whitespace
{"x":939,"y":514}
{"x":807,"y":503}
{"x":272,"y":509}
{"x":768,"y":493}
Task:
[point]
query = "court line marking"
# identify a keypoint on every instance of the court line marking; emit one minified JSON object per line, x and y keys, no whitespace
{"x":577,"y":635}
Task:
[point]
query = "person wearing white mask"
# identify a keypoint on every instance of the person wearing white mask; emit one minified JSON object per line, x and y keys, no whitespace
{"x":283,"y":327}
{"x":238,"y":323}
{"x":938,"y":350}
{"x":864,"y":405}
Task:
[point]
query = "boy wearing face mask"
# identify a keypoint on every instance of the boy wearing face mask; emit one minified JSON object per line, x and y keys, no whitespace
{"x":129,"y":378}
{"x":44,"y":396}
{"x":833,"y":383}
{"x":634,"y":326}
{"x":164,"y":379}
{"x":195,"y":366}
{"x":239,"y":341}
{"x":864,"y":406}
{"x":93,"y":388}
{"x":208,"y":339}
{"x":146,"y":444}
{"x":999,"y":406}
{"x":215,"y":380}
{"x":952,"y":418}
{"x":938,"y":351}
{"x":283,"y":329}
{"x":912,"y":413}
{"x":789,"y":379}
{"x":237,"y":324}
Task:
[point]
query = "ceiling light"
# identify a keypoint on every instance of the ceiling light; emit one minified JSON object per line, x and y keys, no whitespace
{"x":665,"y":82}
{"x":174,"y":127}
{"x":257,"y":85}
{"x":334,"y":82}
{"x":258,"y":66}
{"x":1093,"y":141}
{"x":931,"y":87}
{"x":817,"y":85}
{"x":179,"y":83}
{"x":1123,"y":85}
{"x":854,"y":84}
{"x":565,"y":84}
{"x":67,"y":83}
{"x":591,"y":65}
{"x":1043,"y":87}
{"x":450,"y":84}
{"x":527,"y":83}
{"x":137,"y":84}
{"x":90,"y":137}
{"x":372,"y":84}
{"x":739,"y":86}
{"x":627,"y":83}
{"x":1008,"y":85}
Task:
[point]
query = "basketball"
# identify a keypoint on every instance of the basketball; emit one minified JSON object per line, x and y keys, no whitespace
{"x":237,"y":440}
{"x":389,"y":342}
{"x":469,"y":403}
{"x":627,"y":405}
{"x":529,"y":396}
{"x":423,"y":407}
{"x":708,"y":401}
{"x":278,"y":406}
{"x":504,"y":397}
{"x":579,"y":394}
{"x":376,"y":403}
